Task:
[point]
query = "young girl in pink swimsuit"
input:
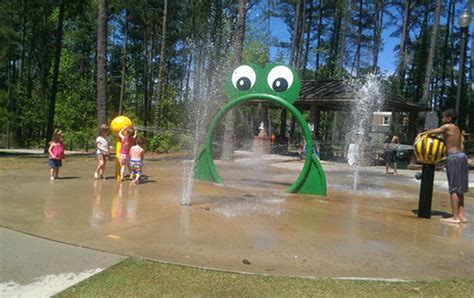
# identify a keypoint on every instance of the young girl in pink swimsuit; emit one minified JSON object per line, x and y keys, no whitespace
{"x":128,"y":140}
{"x":56,"y":153}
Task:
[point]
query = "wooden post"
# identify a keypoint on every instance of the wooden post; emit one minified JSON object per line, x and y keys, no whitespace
{"x":315,"y":114}
{"x":411,"y":127}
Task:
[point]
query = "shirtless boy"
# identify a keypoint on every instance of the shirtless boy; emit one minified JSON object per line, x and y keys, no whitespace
{"x":457,"y":168}
{"x":137,"y":153}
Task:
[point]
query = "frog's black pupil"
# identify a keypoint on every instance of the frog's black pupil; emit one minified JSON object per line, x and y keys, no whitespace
{"x":280,"y":85}
{"x":243,"y":84}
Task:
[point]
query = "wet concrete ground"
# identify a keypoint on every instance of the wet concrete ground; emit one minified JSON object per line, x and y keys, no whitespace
{"x":371,"y":232}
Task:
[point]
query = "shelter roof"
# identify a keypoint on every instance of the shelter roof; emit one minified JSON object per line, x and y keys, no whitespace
{"x":333,"y":95}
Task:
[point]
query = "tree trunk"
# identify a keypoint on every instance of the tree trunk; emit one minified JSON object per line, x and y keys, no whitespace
{"x":54,"y":86}
{"x":359,"y":39}
{"x":470,"y":91}
{"x":442,"y":104}
{"x":267,"y":120}
{"x":23,"y":38}
{"x":295,"y":35}
{"x":267,"y":115}
{"x":342,"y":49}
{"x":403,"y":47}
{"x":198,"y":68}
{"x":300,"y":40}
{"x":292,"y":130}
{"x":10,"y":101}
{"x":308,"y":37}
{"x":471,"y":72}
{"x":161,"y":70}
{"x":228,"y":141}
{"x":216,"y":42}
{"x":417,"y":83}
{"x":146,"y":75}
{"x":187,"y":87}
{"x":469,"y":97}
{"x":340,"y":64}
{"x":453,"y":52}
{"x":29,"y":77}
{"x":334,"y":46}
{"x":320,"y":29}
{"x":151,"y":68}
{"x":471,"y":75}
{"x":102,"y":63}
{"x":379,"y":8}
{"x":40,"y":72}
{"x":432,"y":52}
{"x":124,"y":66}
{"x":295,"y":40}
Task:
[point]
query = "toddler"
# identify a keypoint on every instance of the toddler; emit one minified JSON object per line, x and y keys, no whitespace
{"x":56,"y":153}
{"x":137,"y":153}
{"x":103,"y":150}
{"x":128,"y":140}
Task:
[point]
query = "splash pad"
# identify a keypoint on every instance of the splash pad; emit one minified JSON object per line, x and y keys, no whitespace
{"x":368,"y":233}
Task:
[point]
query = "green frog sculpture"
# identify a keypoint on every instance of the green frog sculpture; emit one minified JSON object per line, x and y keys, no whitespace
{"x":276,"y":83}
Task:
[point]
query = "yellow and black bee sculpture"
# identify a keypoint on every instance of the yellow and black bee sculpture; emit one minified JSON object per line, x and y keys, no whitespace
{"x":429,"y":149}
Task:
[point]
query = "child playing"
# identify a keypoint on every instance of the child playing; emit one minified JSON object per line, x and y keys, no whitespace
{"x":457,"y":167}
{"x":128,"y":140}
{"x":56,"y":153}
{"x":103,"y":150}
{"x":390,"y":152}
{"x":136,"y":160}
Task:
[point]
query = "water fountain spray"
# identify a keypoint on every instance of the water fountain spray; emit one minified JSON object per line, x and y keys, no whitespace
{"x":368,"y":98}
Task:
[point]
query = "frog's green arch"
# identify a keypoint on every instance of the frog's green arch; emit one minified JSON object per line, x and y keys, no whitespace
{"x":311,"y":179}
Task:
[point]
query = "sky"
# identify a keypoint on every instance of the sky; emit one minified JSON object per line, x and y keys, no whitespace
{"x":388,"y":57}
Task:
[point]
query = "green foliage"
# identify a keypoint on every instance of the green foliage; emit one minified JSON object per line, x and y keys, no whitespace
{"x":416,"y":75}
{"x":159,"y":143}
{"x":170,"y":109}
{"x":81,"y":139}
{"x":168,"y":141}
{"x":255,"y":52}
{"x":4,"y":114}
{"x":469,"y":146}
{"x":199,"y":48}
{"x":256,"y":49}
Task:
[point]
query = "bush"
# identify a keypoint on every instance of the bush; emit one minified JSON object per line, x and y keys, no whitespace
{"x":167,"y":142}
{"x":83,"y":139}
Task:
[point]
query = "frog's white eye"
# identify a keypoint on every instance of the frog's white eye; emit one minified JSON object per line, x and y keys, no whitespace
{"x":243,"y":77}
{"x":280,"y":78}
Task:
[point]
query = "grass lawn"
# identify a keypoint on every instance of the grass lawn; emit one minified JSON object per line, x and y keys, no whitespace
{"x":146,"y":278}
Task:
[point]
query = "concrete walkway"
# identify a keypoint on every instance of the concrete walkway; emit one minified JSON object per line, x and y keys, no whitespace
{"x":37,"y":267}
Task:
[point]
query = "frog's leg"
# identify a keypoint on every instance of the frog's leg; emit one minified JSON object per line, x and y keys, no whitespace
{"x":311,"y":179}
{"x":204,"y":169}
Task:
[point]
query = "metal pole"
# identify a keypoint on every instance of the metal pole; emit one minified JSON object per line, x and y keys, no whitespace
{"x":426,"y":191}
{"x":460,"y":113}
